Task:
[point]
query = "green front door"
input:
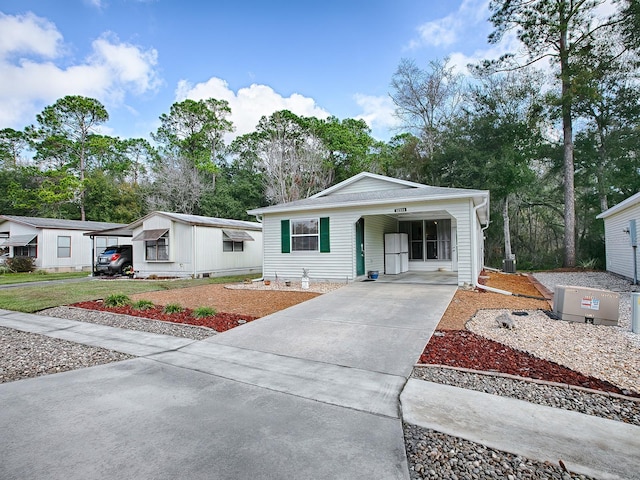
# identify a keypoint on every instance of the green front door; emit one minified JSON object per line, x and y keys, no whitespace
{"x":360,"y":247}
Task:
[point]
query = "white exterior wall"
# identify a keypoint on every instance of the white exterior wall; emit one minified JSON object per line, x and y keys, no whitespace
{"x":206,"y":242}
{"x":339,"y":264}
{"x":368,"y":185}
{"x":374,"y":229}
{"x":47,"y":249}
{"x":619,"y":253}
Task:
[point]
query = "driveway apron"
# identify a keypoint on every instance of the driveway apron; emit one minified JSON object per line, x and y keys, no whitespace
{"x":308,"y":392}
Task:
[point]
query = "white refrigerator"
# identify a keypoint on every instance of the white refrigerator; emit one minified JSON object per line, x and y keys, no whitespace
{"x":396,"y":253}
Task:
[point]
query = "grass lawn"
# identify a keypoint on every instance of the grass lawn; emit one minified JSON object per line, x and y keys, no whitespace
{"x":9,"y":278}
{"x":31,"y":299}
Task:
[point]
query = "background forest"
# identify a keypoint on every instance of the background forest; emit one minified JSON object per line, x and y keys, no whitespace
{"x":552,"y":131}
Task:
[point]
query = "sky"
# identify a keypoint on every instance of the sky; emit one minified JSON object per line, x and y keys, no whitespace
{"x":315,"y":58}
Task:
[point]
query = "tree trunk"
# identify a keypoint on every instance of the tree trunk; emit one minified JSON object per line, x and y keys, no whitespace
{"x":567,"y":128}
{"x":508,"y":254}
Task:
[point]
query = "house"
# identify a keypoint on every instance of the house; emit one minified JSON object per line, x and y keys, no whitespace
{"x":56,"y":245}
{"x":620,"y":236}
{"x":339,"y":233}
{"x":179,"y":245}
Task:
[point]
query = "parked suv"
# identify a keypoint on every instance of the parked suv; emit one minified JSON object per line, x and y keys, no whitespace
{"x":115,"y":259}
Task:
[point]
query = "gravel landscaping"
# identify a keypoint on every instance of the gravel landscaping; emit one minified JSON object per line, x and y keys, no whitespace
{"x":431,"y":454}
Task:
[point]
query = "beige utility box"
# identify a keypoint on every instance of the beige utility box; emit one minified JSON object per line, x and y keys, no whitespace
{"x":586,"y":305}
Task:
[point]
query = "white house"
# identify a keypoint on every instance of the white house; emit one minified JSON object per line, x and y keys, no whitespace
{"x":620,"y":235}
{"x":56,"y":245}
{"x":179,"y":245}
{"x":338,"y":234}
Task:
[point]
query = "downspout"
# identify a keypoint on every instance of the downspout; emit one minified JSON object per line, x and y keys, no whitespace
{"x":474,"y":279}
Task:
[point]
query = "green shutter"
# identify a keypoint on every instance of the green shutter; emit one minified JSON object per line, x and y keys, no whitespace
{"x":285,"y":236}
{"x":324,"y":235}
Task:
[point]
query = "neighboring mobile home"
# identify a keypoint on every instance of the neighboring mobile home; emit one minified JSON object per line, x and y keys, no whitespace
{"x":56,"y":245}
{"x":621,"y":224}
{"x":339,"y":233}
{"x":179,"y":245}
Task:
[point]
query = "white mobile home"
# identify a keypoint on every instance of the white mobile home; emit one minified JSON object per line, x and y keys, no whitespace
{"x":179,"y":245}
{"x":56,"y":245}
{"x":339,"y":233}
{"x":621,"y":223}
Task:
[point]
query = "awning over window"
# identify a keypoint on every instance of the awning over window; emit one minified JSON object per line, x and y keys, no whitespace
{"x":237,"y":235}
{"x":18,"y":240}
{"x":150,"y":235}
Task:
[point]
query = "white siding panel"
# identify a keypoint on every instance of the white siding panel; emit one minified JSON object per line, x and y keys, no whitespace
{"x":184,"y":240}
{"x":619,"y":253}
{"x":368,"y":185}
{"x":339,"y":264}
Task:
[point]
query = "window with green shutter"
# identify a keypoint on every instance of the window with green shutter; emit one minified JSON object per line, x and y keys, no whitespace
{"x":305,"y":235}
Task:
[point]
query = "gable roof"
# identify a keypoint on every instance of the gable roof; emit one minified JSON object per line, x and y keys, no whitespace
{"x":414,"y":192}
{"x":200,"y":221}
{"x":629,"y":202}
{"x":393,"y":182}
{"x":59,"y":223}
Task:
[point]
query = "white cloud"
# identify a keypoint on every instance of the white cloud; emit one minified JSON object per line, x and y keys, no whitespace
{"x":249,"y":104}
{"x":28,"y":34}
{"x":31,"y":79}
{"x":446,"y":31}
{"x":378,"y":112}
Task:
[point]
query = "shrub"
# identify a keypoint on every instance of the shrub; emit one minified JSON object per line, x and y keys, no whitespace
{"x":117,"y":300}
{"x":21,"y":264}
{"x":202,"y":312}
{"x":143,"y":305}
{"x":173,"y":308}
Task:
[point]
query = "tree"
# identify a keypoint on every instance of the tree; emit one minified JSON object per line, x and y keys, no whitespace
{"x":62,"y":136}
{"x":178,"y":187}
{"x":426,"y":100}
{"x":348,"y":143}
{"x":12,"y":145}
{"x":290,"y":156}
{"x":563,"y":31}
{"x":195,"y":130}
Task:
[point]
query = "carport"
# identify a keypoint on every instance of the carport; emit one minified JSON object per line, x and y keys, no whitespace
{"x":111,"y":236}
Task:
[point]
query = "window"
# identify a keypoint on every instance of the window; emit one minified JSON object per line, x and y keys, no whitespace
{"x":231,"y":246}
{"x":30,"y":250}
{"x":428,"y":239}
{"x":64,"y":247}
{"x":304,"y":235}
{"x":157,"y":250}
{"x":104,"y":242}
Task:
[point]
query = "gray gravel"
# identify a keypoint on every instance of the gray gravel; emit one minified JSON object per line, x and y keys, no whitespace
{"x":26,"y":355}
{"x":435,"y":455}
{"x":129,"y":322}
{"x":600,"y":405}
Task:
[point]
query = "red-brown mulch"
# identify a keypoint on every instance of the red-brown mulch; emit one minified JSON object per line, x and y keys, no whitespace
{"x":464,"y":349}
{"x":220,"y":322}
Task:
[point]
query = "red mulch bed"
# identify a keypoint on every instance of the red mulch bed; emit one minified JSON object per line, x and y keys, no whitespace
{"x":220,"y":322}
{"x":458,"y":348}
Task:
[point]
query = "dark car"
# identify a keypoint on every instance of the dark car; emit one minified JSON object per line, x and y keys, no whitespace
{"x":115,"y":259}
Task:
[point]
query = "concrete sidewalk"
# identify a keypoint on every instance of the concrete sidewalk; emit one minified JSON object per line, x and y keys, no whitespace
{"x":589,"y":445}
{"x":308,"y":392}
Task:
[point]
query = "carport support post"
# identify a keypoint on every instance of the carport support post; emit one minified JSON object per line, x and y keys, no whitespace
{"x":93,"y":256}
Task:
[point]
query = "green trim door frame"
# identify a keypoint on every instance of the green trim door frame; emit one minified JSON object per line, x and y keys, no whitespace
{"x":360,"y":247}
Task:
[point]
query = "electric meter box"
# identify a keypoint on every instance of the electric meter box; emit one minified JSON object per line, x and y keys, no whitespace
{"x":586,"y":305}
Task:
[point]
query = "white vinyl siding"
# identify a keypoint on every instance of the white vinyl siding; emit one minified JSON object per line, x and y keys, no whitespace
{"x":619,"y":253}
{"x":368,"y":185}
{"x":197,"y":250}
{"x":339,"y":264}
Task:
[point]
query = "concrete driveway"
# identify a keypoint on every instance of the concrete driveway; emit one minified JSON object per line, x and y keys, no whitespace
{"x":308,"y":392}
